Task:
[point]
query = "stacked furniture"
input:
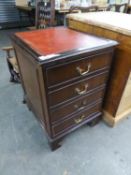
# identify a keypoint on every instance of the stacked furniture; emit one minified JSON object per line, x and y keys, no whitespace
{"x":117,"y":26}
{"x":45,"y":13}
{"x":90,"y":8}
{"x":118,"y":7}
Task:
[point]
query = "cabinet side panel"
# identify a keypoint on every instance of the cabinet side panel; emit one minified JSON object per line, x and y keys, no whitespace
{"x":125,"y":103}
{"x":29,"y":75}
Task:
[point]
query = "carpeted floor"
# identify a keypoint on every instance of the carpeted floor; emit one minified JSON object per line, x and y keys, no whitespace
{"x":24,"y":149}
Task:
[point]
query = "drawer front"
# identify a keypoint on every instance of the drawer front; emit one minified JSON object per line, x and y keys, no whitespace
{"x":76,"y":120}
{"x":77,"y":89}
{"x":77,"y":69}
{"x":63,"y":112}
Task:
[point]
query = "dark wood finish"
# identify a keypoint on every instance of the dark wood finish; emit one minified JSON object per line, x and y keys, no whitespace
{"x":91,"y":8}
{"x":72,"y":90}
{"x":129,"y":8}
{"x":55,"y":144}
{"x":28,"y":11}
{"x":94,"y":121}
{"x":52,"y":102}
{"x":45,"y":13}
{"x":77,"y":119}
{"x":75,"y":106}
{"x":94,"y":63}
{"x":118,"y":7}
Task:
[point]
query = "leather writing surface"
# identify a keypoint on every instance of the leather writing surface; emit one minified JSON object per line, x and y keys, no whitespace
{"x":58,"y":40}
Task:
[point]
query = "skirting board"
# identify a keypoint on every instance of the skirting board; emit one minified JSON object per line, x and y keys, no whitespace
{"x":113,"y":120}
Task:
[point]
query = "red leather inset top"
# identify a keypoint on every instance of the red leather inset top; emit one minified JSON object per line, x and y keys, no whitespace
{"x":58,"y":39}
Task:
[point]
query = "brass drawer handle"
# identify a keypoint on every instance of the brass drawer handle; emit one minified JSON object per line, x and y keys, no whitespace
{"x":80,"y":70}
{"x":79,"y":92}
{"x":79,"y":108}
{"x":82,"y":106}
{"x":79,"y":120}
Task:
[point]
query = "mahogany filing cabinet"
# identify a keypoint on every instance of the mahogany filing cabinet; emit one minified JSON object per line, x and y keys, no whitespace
{"x":64,"y":75}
